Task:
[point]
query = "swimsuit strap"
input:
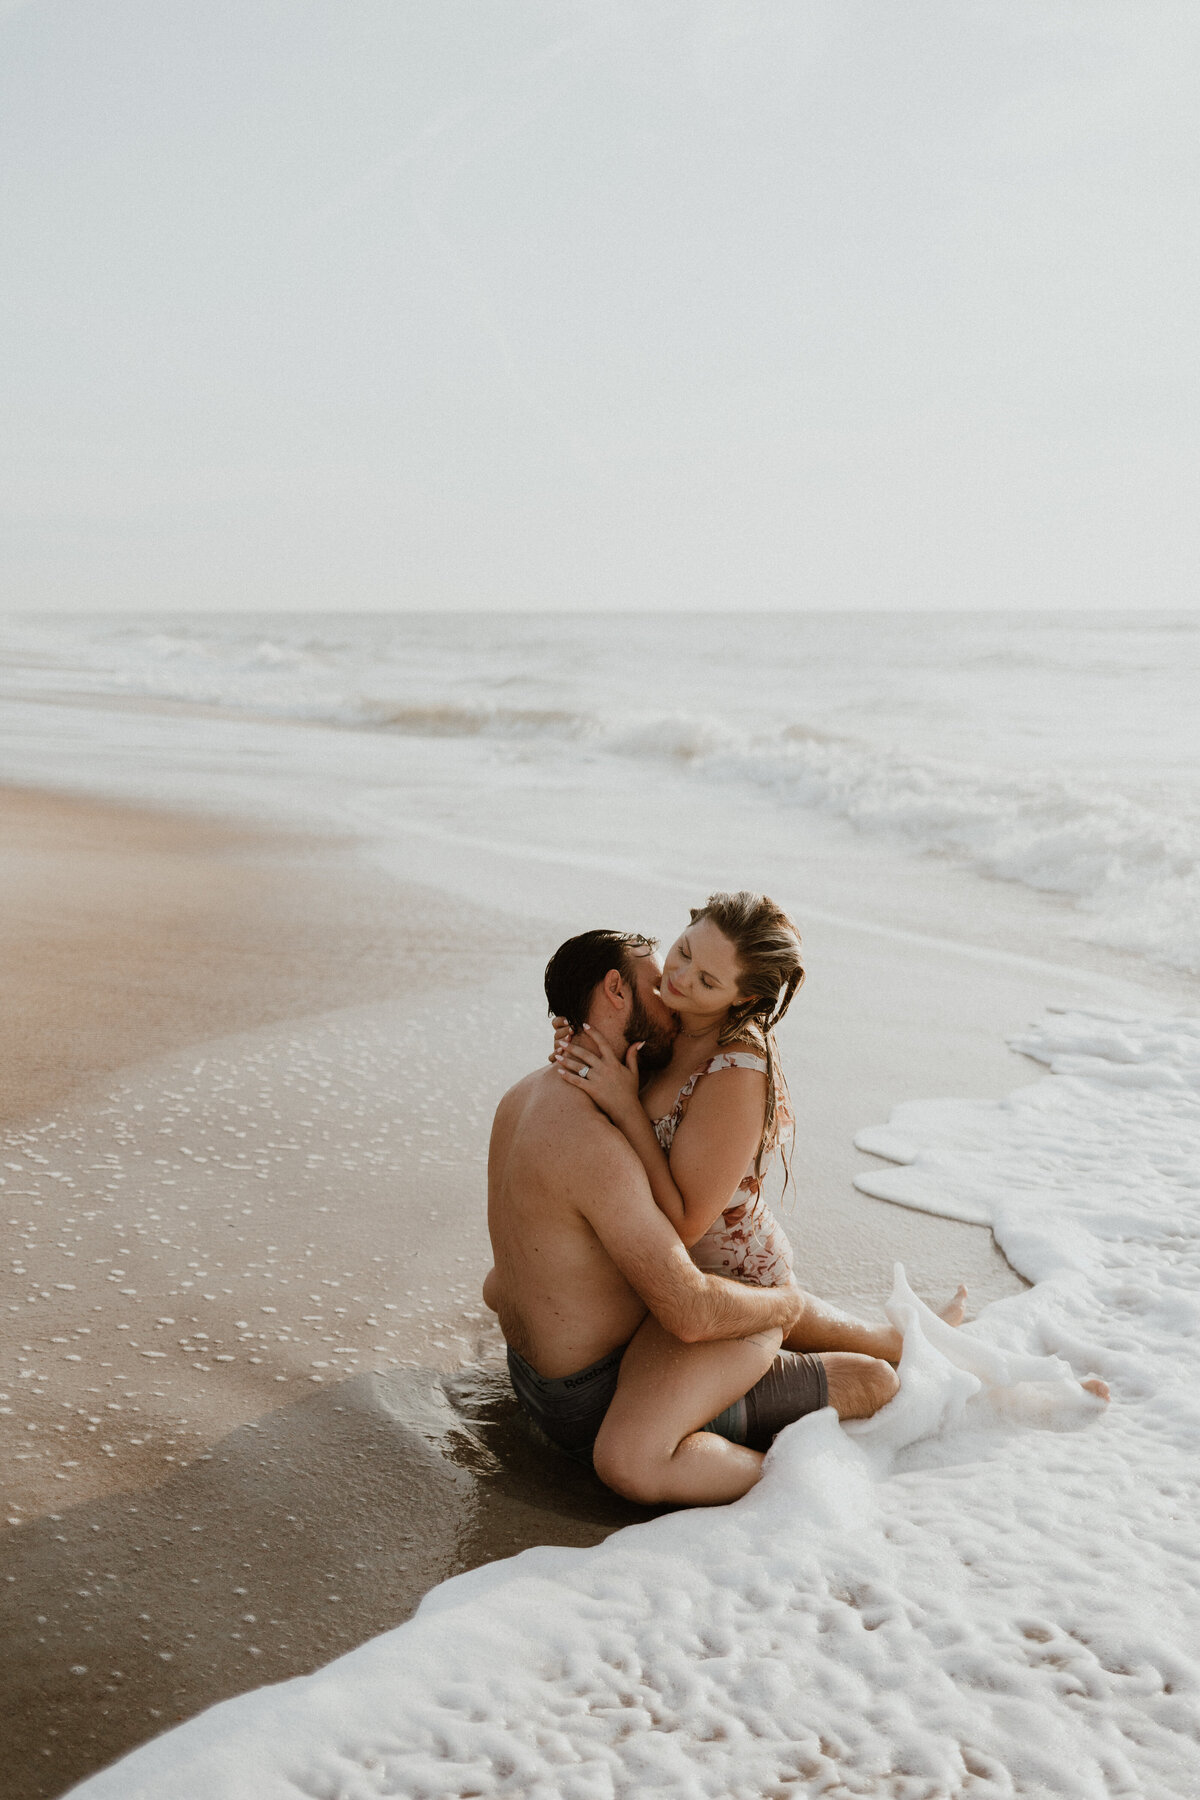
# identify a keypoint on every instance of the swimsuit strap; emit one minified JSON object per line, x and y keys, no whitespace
{"x":725,"y":1059}
{"x":735,"y":1059}
{"x":689,"y":1086}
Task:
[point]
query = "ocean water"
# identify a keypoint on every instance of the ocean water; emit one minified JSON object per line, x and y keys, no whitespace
{"x":1058,"y":754}
{"x":989,"y":1591}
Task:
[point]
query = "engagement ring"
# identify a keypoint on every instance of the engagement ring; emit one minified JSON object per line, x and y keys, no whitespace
{"x":583,"y":1073}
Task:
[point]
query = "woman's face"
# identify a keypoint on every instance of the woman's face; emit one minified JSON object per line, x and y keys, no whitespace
{"x":700,"y":973}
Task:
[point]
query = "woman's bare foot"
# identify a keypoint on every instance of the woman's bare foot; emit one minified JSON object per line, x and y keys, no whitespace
{"x":1094,"y":1385}
{"x":955,"y":1311}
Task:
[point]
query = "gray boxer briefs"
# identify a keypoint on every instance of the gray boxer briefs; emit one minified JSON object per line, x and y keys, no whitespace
{"x":568,"y":1408}
{"x":793,"y":1386}
{"x":571,"y":1408}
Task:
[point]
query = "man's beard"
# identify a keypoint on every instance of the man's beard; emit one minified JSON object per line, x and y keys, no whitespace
{"x":657,"y":1041}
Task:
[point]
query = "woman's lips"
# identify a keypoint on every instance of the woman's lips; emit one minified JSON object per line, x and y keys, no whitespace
{"x":669,"y":985}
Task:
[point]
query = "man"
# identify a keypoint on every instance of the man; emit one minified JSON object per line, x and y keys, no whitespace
{"x":582,"y":1254}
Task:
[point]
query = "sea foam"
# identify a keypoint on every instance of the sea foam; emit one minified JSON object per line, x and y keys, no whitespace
{"x":988,"y":1590}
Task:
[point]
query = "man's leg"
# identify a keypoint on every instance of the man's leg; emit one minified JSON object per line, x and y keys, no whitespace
{"x":858,"y":1385}
{"x":798,"y":1383}
{"x":822,"y":1328}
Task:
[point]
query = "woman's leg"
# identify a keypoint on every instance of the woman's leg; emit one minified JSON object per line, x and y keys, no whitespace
{"x":651,"y":1446}
{"x":822,"y":1327}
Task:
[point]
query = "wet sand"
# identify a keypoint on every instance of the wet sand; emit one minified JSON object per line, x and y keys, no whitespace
{"x":223,"y":1181}
{"x":126,"y":934}
{"x":298,"y":1537}
{"x":252,"y":1405}
{"x":191,"y":1232}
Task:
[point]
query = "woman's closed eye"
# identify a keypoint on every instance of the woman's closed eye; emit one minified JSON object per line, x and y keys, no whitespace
{"x":705,"y":980}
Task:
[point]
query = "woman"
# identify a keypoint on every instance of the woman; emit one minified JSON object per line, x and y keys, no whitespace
{"x":729,"y":978}
{"x":705,"y":1127}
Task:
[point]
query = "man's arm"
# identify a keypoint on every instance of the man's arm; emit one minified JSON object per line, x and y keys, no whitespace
{"x":613,"y":1195}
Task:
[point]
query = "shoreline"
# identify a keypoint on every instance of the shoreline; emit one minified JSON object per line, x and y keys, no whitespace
{"x":134,"y":932}
{"x":299,"y":1142}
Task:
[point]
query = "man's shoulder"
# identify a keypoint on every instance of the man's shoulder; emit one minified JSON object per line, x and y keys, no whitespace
{"x":520,"y":1093}
{"x":541,"y":1099}
{"x":549,"y":1107}
{"x":555,"y":1158}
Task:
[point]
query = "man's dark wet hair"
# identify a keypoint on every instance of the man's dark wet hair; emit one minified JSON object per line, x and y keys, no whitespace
{"x":578,"y":967}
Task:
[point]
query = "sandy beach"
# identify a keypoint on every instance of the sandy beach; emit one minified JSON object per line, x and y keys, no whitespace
{"x":253,"y":1405}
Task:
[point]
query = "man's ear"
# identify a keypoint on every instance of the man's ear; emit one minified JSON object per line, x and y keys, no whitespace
{"x":614,"y":989}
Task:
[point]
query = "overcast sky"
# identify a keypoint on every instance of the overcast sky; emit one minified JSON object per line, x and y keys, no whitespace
{"x":513,"y":303}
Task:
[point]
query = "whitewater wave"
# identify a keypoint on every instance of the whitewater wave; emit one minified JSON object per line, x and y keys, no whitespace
{"x":1132,"y":868}
{"x":1126,"y":851}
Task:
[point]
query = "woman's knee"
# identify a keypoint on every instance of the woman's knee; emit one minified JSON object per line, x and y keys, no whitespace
{"x":859,"y":1385}
{"x":629,"y":1468}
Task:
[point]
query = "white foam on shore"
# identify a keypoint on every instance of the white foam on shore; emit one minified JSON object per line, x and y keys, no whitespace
{"x":989,"y":1590}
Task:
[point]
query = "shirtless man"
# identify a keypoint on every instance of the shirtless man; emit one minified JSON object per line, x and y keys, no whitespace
{"x":582,"y":1253}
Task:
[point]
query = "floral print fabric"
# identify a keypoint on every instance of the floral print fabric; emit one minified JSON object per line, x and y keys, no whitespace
{"x":747,"y":1240}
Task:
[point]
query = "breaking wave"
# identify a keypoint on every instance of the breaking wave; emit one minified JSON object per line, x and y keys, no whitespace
{"x":866,"y":740}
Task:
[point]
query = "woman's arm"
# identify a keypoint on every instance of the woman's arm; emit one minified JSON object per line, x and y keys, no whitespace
{"x":713,"y":1145}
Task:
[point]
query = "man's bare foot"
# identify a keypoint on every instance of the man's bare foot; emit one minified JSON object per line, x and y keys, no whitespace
{"x":1094,"y":1385}
{"x":955,"y":1311}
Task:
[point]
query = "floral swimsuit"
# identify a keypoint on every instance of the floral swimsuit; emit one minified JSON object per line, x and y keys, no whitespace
{"x":747,"y":1240}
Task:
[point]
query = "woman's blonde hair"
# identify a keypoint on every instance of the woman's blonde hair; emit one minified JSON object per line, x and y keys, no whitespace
{"x":771,"y":973}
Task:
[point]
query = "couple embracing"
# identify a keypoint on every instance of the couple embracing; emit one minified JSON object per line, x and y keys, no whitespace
{"x":644,"y":1288}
